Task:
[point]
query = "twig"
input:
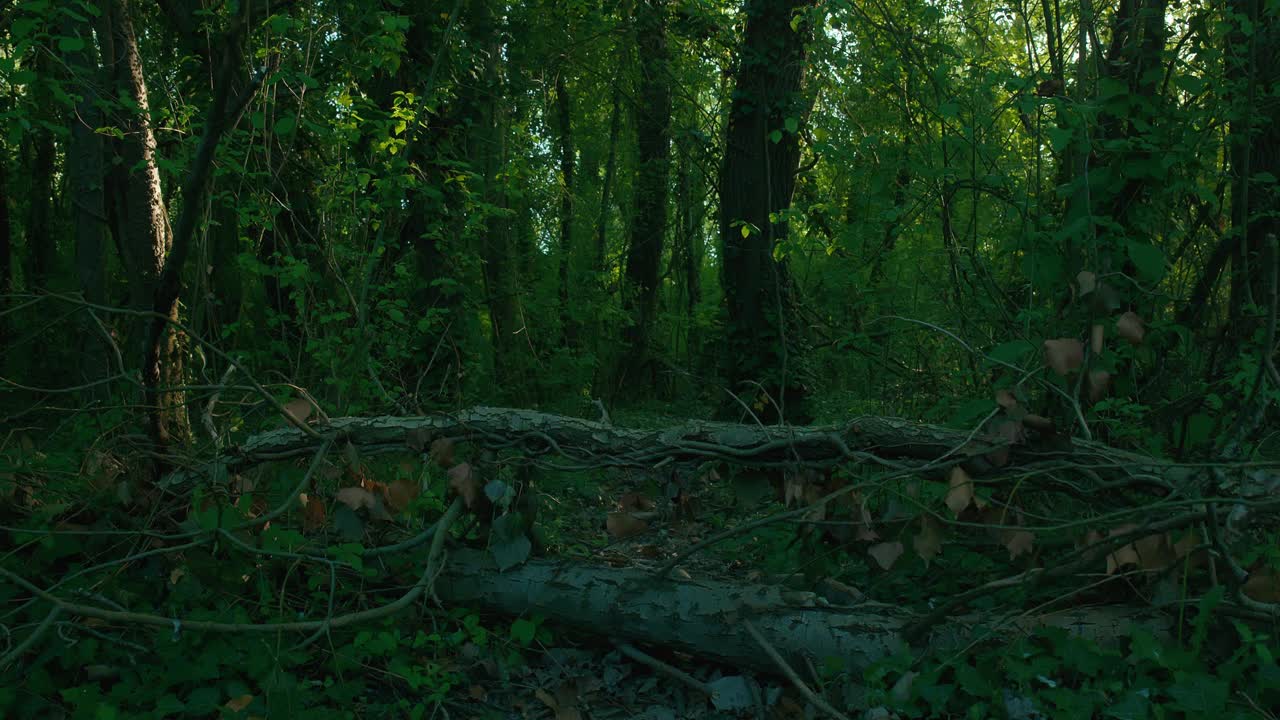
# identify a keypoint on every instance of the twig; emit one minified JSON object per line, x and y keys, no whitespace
{"x":644,"y":658}
{"x":790,"y":674}
{"x":177,"y":624}
{"x":32,"y":639}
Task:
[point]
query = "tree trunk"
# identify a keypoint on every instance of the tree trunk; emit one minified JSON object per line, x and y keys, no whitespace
{"x":6,"y":246}
{"x":145,"y":223}
{"x":649,"y":225}
{"x":1253,"y":142}
{"x":41,"y":241}
{"x":764,"y":340}
{"x":567,"y":188}
{"x":486,"y":148}
{"x":574,"y":443}
{"x":606,"y":188}
{"x":704,"y":617}
{"x":88,"y":211}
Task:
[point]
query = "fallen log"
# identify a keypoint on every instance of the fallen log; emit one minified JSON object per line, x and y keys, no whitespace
{"x":704,"y":617}
{"x":579,"y":444}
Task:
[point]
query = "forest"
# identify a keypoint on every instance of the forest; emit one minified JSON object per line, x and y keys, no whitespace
{"x":639,"y":358}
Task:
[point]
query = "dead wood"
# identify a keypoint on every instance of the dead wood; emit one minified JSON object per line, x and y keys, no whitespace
{"x":574,"y":443}
{"x":704,"y":617}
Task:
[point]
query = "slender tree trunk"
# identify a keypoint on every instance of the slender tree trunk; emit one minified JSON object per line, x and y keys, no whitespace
{"x":764,"y":340}
{"x":147,"y":236}
{"x":486,"y":153}
{"x":1254,"y":146}
{"x":606,"y":187}
{"x":88,"y":209}
{"x":649,"y":226}
{"x":41,"y":241}
{"x":6,"y":245}
{"x":567,"y":190}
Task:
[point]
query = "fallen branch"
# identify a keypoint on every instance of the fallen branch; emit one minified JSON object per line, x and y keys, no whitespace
{"x":706,"y":617}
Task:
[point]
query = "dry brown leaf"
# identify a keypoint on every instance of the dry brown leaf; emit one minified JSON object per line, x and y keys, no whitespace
{"x":1063,"y":355}
{"x":1099,"y":383}
{"x":442,"y":452}
{"x":401,"y":493}
{"x":1126,"y":555}
{"x":564,"y":704}
{"x":1038,"y":422}
{"x":1184,"y":546}
{"x":960,"y":493}
{"x":1018,"y":543}
{"x":1087,"y":282}
{"x":865,"y":531}
{"x":464,"y":480}
{"x":631,"y":502}
{"x":624,"y":524}
{"x":1131,"y":327}
{"x":176,"y":574}
{"x":1097,"y":335}
{"x":792,"y":488}
{"x":928,"y":542}
{"x":1263,"y":585}
{"x":886,"y":553}
{"x":239,"y":703}
{"x":478,"y":692}
{"x":299,"y":410}
{"x":356,"y":498}
{"x":313,"y":515}
{"x":1006,"y":399}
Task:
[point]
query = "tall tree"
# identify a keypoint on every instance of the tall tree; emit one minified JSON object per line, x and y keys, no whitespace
{"x":1253,"y":144}
{"x":84,"y":179}
{"x":564,"y":121}
{"x":41,"y":240}
{"x":482,"y":106}
{"x":653,"y":162}
{"x":142,"y":226}
{"x":764,"y":340}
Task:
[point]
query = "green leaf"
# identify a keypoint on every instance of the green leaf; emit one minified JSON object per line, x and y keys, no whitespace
{"x":508,"y":543}
{"x":523,"y":632}
{"x":1060,"y":138}
{"x":949,"y":109}
{"x":776,"y":136}
{"x":1133,"y":705}
{"x":348,"y":524}
{"x":22,"y":27}
{"x":1148,"y":259}
{"x":1011,"y":352}
{"x":791,"y":124}
{"x":285,"y":126}
{"x":1199,"y":695}
{"x":70,"y":44}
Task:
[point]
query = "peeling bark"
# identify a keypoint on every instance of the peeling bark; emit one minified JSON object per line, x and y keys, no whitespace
{"x":704,"y":617}
{"x":578,"y":443}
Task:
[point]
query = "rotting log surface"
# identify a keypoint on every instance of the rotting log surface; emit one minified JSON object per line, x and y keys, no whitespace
{"x":704,"y":617}
{"x":577,"y":443}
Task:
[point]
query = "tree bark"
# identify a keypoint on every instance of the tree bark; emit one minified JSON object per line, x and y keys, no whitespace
{"x":41,"y":241}
{"x":6,"y":245}
{"x":764,"y":341}
{"x":144,"y":221}
{"x":649,"y":224}
{"x":606,"y":187}
{"x":1253,"y":143}
{"x":704,"y":617}
{"x":574,"y":443}
{"x":88,"y":210}
{"x":483,"y":109}
{"x":564,"y":116}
